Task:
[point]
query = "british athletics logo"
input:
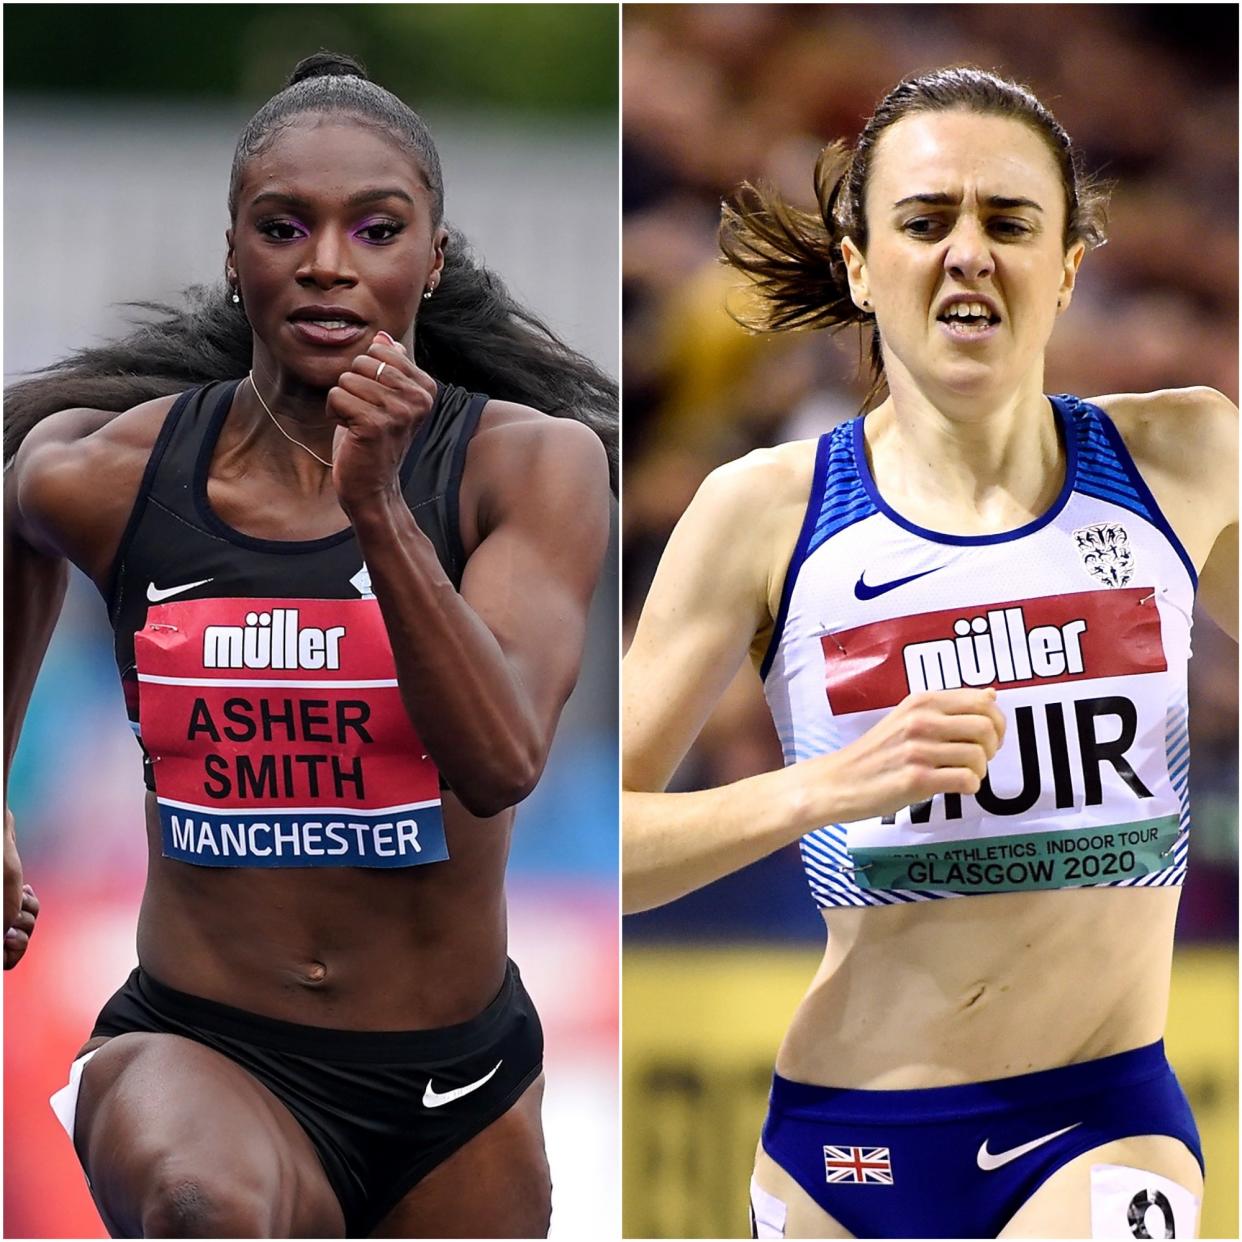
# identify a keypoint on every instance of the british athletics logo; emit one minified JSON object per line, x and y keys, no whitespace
{"x":1081,"y":636}
{"x":865,"y":1165}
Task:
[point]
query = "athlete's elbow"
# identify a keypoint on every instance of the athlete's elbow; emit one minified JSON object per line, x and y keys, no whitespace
{"x":635,"y":899}
{"x":647,"y":880}
{"x":483,"y":803}
{"x":643,"y":890}
{"x":501,"y":783}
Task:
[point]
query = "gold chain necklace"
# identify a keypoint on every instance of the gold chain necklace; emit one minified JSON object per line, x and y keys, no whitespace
{"x":305,"y":447}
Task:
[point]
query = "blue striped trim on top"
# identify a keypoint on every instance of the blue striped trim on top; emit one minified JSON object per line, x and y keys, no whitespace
{"x":844,"y":500}
{"x":827,"y":862}
{"x":837,"y":500}
{"x":863,"y":469}
{"x":1098,"y":464}
{"x":1177,"y":748}
{"x":1102,"y":472}
{"x":1107,"y":471}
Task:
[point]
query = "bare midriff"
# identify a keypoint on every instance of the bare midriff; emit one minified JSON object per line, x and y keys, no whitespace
{"x":352,"y":948}
{"x":941,"y":993}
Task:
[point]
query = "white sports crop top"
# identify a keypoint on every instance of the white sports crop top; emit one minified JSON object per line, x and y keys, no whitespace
{"x":1080,"y":619}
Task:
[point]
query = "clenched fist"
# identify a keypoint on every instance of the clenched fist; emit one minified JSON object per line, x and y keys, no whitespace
{"x":932,"y":742}
{"x":17,"y":936}
{"x":378,"y":406}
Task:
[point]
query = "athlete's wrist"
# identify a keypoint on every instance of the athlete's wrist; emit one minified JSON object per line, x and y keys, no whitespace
{"x":815,"y":794}
{"x":383,"y":510}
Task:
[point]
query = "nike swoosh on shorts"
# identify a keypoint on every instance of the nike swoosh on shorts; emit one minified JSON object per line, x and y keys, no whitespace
{"x":434,"y":1099}
{"x":864,"y":592}
{"x":155,"y":595}
{"x":989,"y":1161}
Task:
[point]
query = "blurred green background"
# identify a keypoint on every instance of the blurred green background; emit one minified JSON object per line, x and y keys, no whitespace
{"x":119,"y":128}
{"x":536,"y":58}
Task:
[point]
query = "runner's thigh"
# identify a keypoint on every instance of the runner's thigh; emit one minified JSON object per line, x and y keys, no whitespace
{"x":495,"y":1186}
{"x":803,"y":1217}
{"x":180,"y":1142}
{"x":1062,"y":1208}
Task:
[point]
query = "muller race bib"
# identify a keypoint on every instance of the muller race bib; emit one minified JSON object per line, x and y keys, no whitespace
{"x":1083,"y":791}
{"x":278,"y":738}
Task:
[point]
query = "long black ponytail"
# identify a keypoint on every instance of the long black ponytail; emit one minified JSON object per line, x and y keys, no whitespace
{"x":472,"y":333}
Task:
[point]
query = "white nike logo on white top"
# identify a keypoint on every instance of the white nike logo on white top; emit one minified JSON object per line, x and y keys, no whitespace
{"x":154,"y":594}
{"x":988,"y":1161}
{"x":433,"y":1098}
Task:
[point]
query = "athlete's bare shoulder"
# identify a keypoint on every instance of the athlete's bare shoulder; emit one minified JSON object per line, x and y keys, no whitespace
{"x":731,"y":548}
{"x":764,"y":496}
{"x":1177,"y":430}
{"x":712,"y":597}
{"x":101,"y":428}
{"x":507,"y":426}
{"x":521,"y":460}
{"x":74,"y":480}
{"x":758,"y":493}
{"x":1184,"y":442}
{"x":781,"y":472}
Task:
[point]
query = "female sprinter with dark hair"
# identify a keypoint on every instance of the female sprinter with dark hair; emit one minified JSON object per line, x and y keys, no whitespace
{"x":971,"y":612}
{"x":332,"y":567}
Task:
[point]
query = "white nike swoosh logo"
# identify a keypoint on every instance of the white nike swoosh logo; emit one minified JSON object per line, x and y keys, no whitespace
{"x":434,"y":1099}
{"x":988,"y":1161}
{"x":154,"y":594}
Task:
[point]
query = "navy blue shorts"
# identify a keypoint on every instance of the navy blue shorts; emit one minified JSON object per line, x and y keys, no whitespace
{"x":958,"y":1162}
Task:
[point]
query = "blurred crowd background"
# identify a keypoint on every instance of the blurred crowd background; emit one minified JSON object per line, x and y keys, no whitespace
{"x":120,"y":123}
{"x":717,"y":94}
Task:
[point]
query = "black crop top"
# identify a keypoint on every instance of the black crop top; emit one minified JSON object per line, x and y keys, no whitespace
{"x":258,"y":674}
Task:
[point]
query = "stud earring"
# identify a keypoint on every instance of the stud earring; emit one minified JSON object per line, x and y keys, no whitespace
{"x":236,"y":298}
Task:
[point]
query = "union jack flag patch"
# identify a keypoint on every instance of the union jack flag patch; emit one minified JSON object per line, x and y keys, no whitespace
{"x":859,"y":1164}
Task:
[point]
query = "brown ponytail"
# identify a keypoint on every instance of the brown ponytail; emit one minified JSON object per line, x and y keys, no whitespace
{"x":793,"y":257}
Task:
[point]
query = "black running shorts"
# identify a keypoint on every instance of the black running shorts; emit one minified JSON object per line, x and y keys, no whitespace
{"x":382,"y":1108}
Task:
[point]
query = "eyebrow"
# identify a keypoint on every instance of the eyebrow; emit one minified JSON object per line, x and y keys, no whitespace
{"x":1001,"y":201}
{"x":362,"y":197}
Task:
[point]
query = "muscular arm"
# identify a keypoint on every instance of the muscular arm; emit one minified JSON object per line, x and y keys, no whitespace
{"x":67,"y":494}
{"x":1218,"y":582}
{"x":1185,"y":444}
{"x":36,"y":574}
{"x":706,"y":603}
{"x":1218,"y":578}
{"x":34,"y":590}
{"x":484,"y":673}
{"x":35,"y":582}
{"x":711,"y":595}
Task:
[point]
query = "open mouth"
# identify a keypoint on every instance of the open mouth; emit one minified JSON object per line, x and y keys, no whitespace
{"x":327,"y":325}
{"x":968,"y":319}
